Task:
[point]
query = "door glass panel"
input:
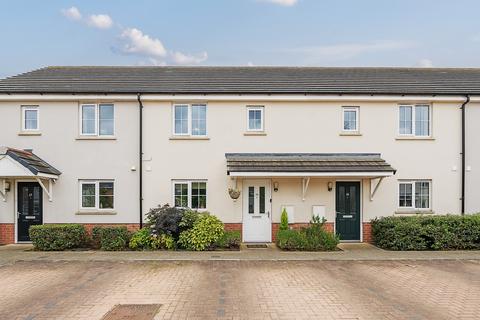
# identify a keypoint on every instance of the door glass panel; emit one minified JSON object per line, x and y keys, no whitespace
{"x":353,"y":200}
{"x":262,"y":200}
{"x":36,"y":200}
{"x":251,"y":199}
{"x":341,"y":199}
{"x":25,"y":200}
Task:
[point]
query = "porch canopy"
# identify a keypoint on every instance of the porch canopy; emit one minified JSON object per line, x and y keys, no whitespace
{"x":306,"y":165}
{"x":24,"y":164}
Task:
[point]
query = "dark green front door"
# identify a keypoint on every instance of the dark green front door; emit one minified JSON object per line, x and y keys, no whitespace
{"x":348,"y":210}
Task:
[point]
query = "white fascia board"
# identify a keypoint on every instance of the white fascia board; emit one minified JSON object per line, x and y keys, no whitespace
{"x":47,"y":176}
{"x":235,"y":97}
{"x":312,"y":174}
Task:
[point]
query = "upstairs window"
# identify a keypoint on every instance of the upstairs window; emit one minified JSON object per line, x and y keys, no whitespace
{"x":415,"y":120}
{"x":97,"y":119}
{"x":190,"y":119}
{"x":414,"y":195}
{"x":350,"y":119}
{"x":30,"y":118}
{"x":255,"y":118}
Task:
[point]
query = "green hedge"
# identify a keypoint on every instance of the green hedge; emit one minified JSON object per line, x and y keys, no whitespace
{"x":448,"y":232}
{"x":312,"y":238}
{"x":111,"y":238}
{"x":229,"y":240}
{"x":58,"y":237}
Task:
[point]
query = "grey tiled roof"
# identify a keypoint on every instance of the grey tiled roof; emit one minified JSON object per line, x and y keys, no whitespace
{"x":248,"y":80}
{"x":306,"y":162}
{"x":31,"y":161}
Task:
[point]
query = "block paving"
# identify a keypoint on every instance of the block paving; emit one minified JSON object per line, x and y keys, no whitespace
{"x":443,"y":289}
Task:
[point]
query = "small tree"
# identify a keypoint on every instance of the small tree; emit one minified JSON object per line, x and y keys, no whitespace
{"x":284,"y":220}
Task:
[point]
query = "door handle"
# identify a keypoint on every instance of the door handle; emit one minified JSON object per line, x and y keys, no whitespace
{"x":268,"y":212}
{"x":18,"y":215}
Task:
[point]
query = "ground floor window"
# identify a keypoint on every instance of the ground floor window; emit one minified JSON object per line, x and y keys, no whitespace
{"x":190,"y":194}
{"x":414,"y":194}
{"x":97,"y":194}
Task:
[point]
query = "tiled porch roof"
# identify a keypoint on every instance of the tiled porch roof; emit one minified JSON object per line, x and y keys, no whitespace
{"x":307,"y":162}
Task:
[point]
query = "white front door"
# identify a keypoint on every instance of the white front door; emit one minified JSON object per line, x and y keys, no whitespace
{"x":257,"y":223}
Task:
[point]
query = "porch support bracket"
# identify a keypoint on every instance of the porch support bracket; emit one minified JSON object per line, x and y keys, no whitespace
{"x":373,"y":189}
{"x":49,"y":190}
{"x":305,"y":182}
{"x":3,"y":190}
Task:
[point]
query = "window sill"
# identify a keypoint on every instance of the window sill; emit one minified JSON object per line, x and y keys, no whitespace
{"x":415,"y":138}
{"x":96,"y":212}
{"x":414,"y":212}
{"x":350,"y":133}
{"x":29,"y":133}
{"x":95,"y":138}
{"x":255,"y":133}
{"x":189,"y":138}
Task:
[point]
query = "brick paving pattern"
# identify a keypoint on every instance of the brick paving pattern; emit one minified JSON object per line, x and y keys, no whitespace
{"x":446,"y":289}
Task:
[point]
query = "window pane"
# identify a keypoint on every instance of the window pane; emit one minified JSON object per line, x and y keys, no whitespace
{"x":106,"y":119}
{"x":262,"y":200}
{"x":88,"y":195}
{"x":350,"y":120}
{"x":405,"y":195}
{"x":255,"y":119}
{"x":31,"y":119}
{"x":405,"y":120}
{"x":199,"y":120}
{"x":422,"y":195}
{"x":88,"y":119}
{"x":422,"y":121}
{"x":181,"y":195}
{"x":251,"y":199}
{"x":181,"y":119}
{"x":106,"y":195}
{"x":199,"y":195}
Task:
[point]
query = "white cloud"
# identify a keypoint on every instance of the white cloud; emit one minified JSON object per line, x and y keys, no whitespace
{"x":185,"y":59}
{"x":141,"y":44}
{"x":350,"y":50}
{"x":250,"y":64}
{"x":72,"y":13}
{"x":100,"y":21}
{"x":425,"y":63}
{"x":285,"y":3}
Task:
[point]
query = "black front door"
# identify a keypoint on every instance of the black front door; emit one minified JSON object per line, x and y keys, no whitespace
{"x":348,"y":210}
{"x":29,"y":207}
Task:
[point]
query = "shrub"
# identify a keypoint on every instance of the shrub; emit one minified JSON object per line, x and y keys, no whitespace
{"x":206,"y":230}
{"x":311,"y":238}
{"x":111,"y":238}
{"x":284,"y":220}
{"x":58,"y":237}
{"x":165,"y":220}
{"x":144,"y":240}
{"x":229,"y":240}
{"x":189,"y":217}
{"x":427,"y":232}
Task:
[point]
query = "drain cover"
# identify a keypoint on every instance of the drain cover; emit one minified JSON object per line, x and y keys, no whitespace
{"x":257,"y":246}
{"x":132,"y":311}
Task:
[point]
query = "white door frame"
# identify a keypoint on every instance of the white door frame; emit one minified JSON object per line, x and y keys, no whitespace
{"x":15,"y":207}
{"x":268,"y":207}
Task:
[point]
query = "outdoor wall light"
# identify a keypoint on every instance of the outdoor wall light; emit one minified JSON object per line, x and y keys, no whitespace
{"x":275,"y":186}
{"x":7,"y":186}
{"x":330,"y":186}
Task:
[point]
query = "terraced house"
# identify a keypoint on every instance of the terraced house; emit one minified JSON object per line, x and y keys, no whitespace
{"x":102,"y":145}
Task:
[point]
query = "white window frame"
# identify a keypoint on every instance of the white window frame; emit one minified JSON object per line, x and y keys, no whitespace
{"x":357,"y":118}
{"x":97,"y":195}
{"x":189,"y":122}
{"x":189,"y":194}
{"x":26,"y":108}
{"x":412,"y":183}
{"x":97,"y":119}
{"x":414,"y":129}
{"x":262,"y":113}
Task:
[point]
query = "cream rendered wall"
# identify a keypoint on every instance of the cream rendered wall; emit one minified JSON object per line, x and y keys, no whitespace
{"x":77,"y":159}
{"x":302,"y":127}
{"x":472,"y":194}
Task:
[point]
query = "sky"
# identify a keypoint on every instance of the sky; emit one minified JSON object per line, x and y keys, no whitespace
{"x":403,"y":33}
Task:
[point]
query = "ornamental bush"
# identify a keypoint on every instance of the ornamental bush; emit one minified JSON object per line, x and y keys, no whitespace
{"x":165,"y":220}
{"x":206,"y":230}
{"x":144,"y":240}
{"x":230,"y":240}
{"x":446,"y":232}
{"x":111,"y":238}
{"x":58,"y":237}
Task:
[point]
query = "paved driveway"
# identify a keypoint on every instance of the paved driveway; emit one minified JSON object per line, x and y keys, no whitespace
{"x":244,"y":289}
